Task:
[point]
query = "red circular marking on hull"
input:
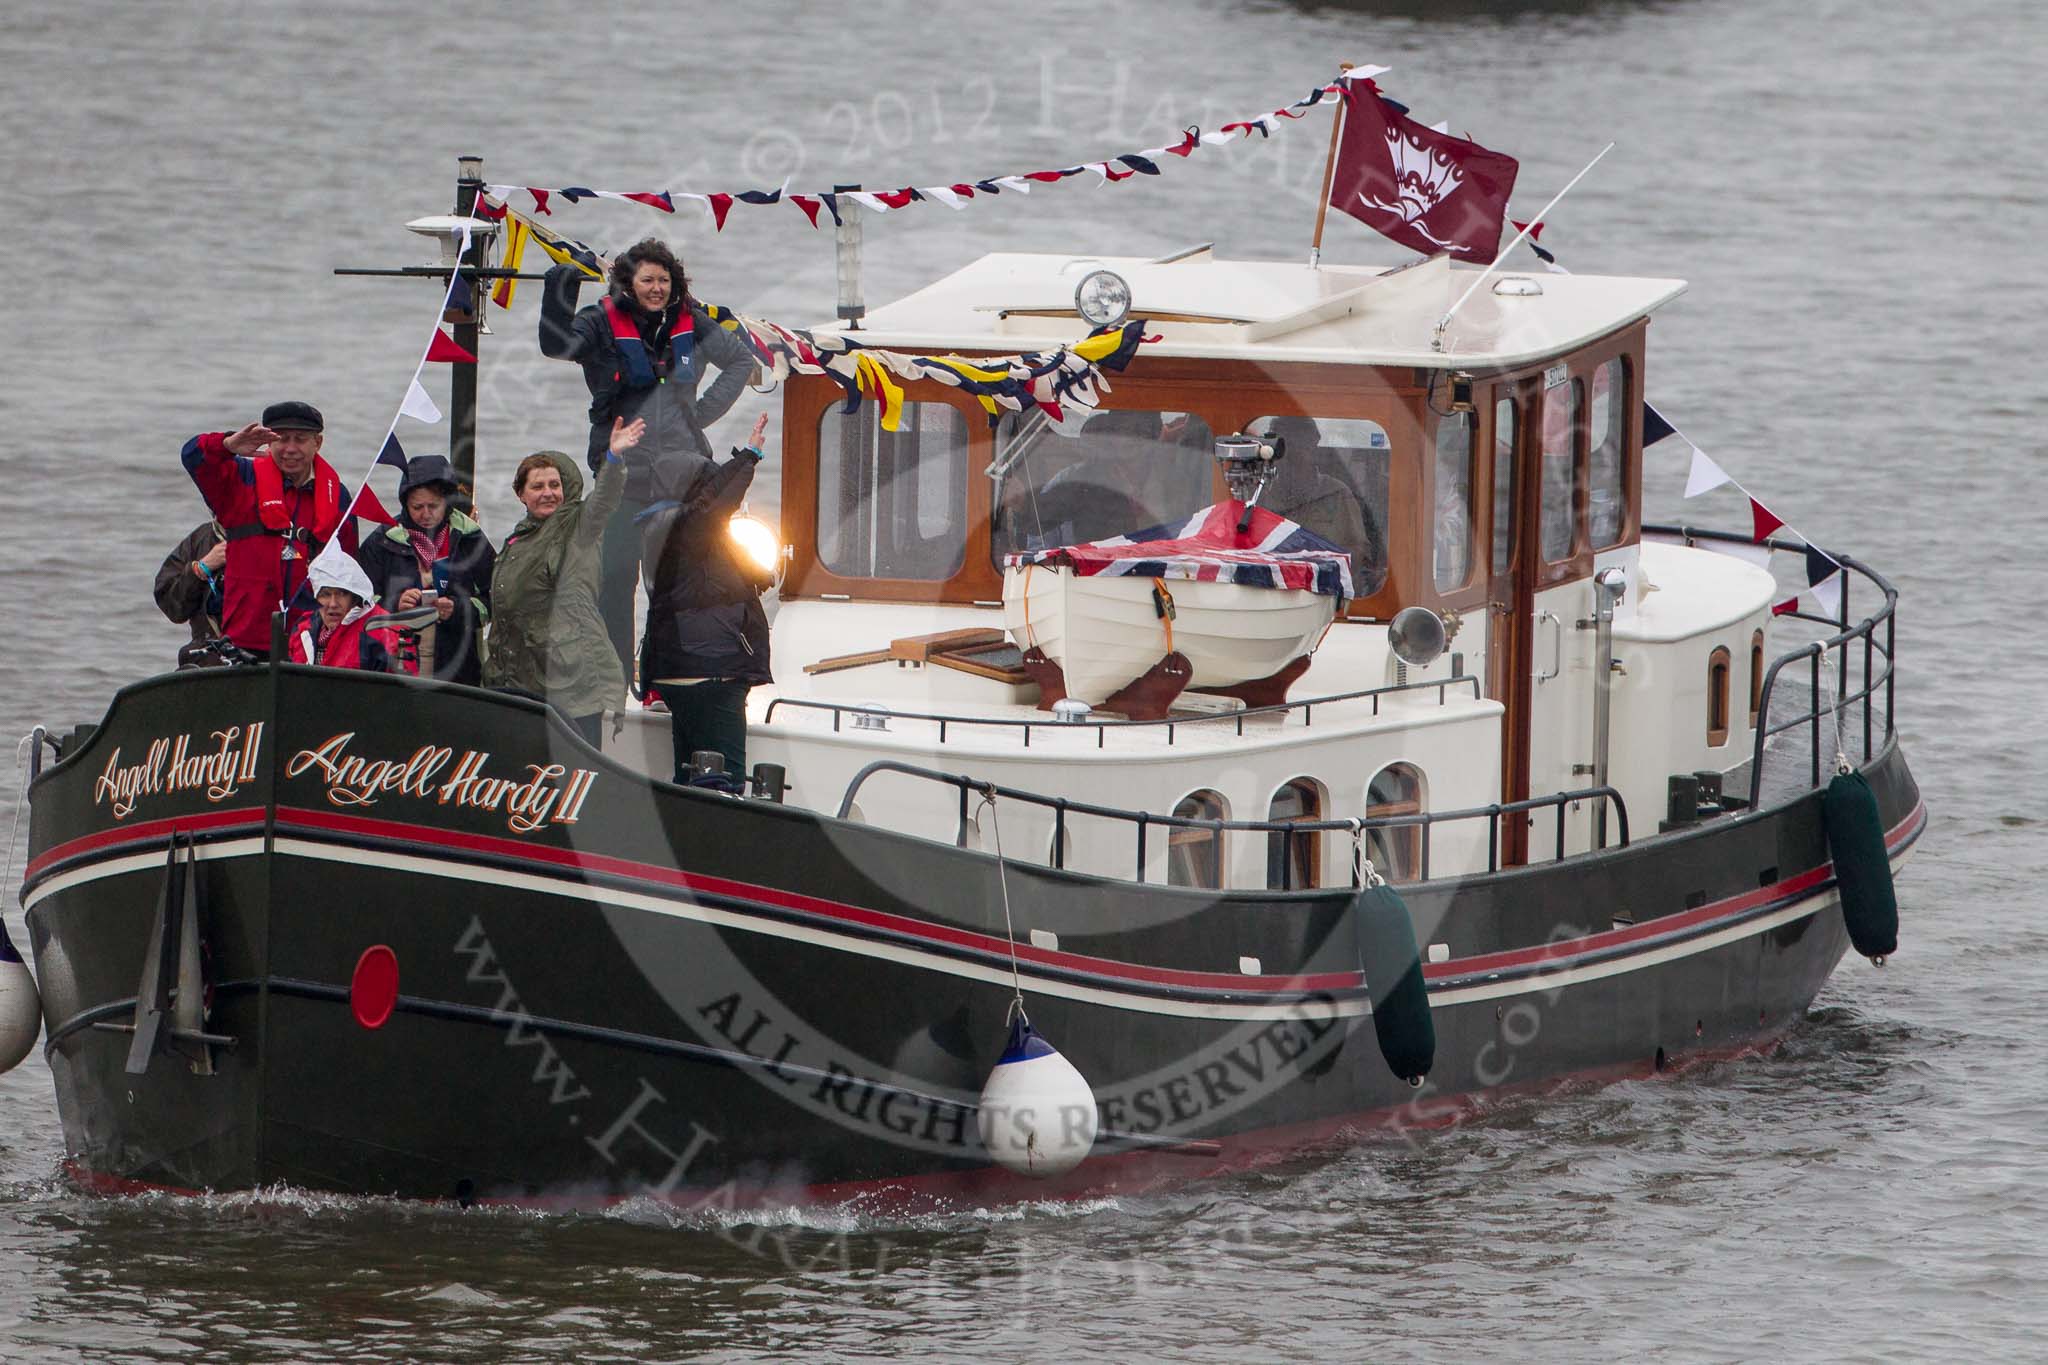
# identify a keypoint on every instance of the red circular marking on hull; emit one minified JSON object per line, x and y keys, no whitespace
{"x":373,"y":990}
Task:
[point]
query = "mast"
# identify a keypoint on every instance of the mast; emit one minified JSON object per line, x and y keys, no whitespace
{"x":469,"y":182}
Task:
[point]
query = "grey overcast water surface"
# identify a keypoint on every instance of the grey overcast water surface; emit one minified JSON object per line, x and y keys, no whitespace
{"x":1854,"y":192}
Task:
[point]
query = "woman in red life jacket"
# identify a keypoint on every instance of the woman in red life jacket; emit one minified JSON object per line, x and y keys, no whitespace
{"x":333,"y":635}
{"x":643,"y":347}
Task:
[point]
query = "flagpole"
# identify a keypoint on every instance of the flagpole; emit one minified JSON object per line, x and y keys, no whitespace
{"x":1315,"y":248}
{"x":1443,"y":324}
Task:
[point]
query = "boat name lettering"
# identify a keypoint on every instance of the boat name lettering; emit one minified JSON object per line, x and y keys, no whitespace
{"x":547,"y":793}
{"x":177,"y":764}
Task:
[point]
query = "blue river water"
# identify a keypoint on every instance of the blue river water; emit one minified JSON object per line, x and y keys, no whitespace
{"x":1852,"y":190}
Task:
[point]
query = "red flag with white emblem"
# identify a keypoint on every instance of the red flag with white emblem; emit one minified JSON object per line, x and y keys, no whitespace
{"x":1427,"y":190}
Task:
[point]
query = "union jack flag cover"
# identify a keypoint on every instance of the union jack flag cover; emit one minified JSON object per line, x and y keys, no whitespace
{"x":1271,"y":552}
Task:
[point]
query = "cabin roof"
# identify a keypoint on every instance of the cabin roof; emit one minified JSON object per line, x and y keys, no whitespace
{"x":1203,"y":306}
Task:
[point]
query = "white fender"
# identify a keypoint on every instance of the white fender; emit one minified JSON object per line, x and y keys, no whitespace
{"x":21,"y":1009}
{"x":1037,"y":1114}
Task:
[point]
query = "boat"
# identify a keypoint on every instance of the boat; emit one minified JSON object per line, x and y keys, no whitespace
{"x":1552,"y":796}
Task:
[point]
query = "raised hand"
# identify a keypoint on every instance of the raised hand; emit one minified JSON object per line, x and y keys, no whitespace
{"x":624,"y":436}
{"x":760,"y":429}
{"x":249,"y":439}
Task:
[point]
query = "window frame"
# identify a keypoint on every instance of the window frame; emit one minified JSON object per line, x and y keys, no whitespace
{"x":1404,"y":843}
{"x":1300,"y":852}
{"x":1179,"y":838}
{"x":1720,"y":665}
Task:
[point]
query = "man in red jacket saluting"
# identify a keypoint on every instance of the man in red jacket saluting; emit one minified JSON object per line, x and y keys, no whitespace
{"x":279,"y":504}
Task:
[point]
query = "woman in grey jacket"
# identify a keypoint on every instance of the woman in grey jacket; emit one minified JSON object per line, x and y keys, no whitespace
{"x":643,"y":348}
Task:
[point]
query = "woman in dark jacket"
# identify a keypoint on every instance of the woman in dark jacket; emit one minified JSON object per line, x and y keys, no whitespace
{"x":643,"y":348}
{"x":707,"y":637}
{"x":432,"y":543}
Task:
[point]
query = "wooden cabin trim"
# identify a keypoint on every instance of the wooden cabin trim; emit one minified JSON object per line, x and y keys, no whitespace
{"x":1232,"y":394}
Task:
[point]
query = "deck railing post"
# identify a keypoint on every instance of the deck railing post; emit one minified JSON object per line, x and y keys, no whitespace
{"x":1141,"y":845}
{"x":1059,"y":833}
{"x":1891,"y":670}
{"x":1813,"y":673}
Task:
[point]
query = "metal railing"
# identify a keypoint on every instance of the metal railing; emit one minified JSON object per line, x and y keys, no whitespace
{"x":1307,"y":706}
{"x":1062,"y":807}
{"x":1842,"y":643}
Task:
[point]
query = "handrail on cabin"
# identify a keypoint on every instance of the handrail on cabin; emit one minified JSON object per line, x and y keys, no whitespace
{"x":1061,"y":807}
{"x":1815,"y":654}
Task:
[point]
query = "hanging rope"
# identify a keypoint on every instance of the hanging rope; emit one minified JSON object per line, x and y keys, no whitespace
{"x":20,"y":802}
{"x":988,"y":803}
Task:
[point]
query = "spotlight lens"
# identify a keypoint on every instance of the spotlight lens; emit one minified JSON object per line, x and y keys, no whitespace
{"x":1103,"y":298}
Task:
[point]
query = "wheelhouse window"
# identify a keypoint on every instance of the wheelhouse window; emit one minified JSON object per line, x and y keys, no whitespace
{"x":1717,"y":696}
{"x":1294,"y":858}
{"x":1560,"y":469}
{"x":893,"y":504}
{"x":1333,"y":480}
{"x":1453,"y":557}
{"x":1504,"y":426}
{"x":1396,"y":851}
{"x":1194,"y":856}
{"x":1606,"y":469}
{"x":1095,"y":475}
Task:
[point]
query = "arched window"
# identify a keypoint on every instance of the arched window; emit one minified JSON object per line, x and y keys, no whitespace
{"x":1756,"y":676}
{"x":1194,"y":857}
{"x":1717,"y":696}
{"x":1395,"y":850}
{"x":1294,"y":858}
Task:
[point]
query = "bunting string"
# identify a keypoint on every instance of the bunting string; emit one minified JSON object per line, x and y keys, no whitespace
{"x":1825,"y":575}
{"x":1048,"y":381}
{"x":954,"y":195}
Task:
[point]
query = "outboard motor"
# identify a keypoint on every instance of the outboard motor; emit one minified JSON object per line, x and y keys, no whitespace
{"x":1247,"y":463}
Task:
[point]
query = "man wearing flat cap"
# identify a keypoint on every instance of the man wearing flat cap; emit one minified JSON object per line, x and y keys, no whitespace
{"x":278,"y":504}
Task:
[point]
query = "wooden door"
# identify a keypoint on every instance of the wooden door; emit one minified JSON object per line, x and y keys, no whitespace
{"x":1509,"y":602}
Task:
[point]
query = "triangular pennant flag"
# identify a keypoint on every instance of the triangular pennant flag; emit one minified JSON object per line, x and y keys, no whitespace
{"x":1764,"y":519}
{"x":1786,"y":607}
{"x":1191,"y":138}
{"x":418,"y":406}
{"x":392,"y":454}
{"x":369,"y":508}
{"x":943,"y":195}
{"x":1827,"y":594}
{"x":721,"y":204}
{"x":965,"y":190}
{"x":831,"y":202}
{"x":576,"y":194}
{"x":444,"y":349}
{"x":895,"y":199}
{"x":540,"y":202}
{"x":760,"y":196}
{"x":1655,"y":428}
{"x":1819,"y":564}
{"x":658,"y":201}
{"x":1705,"y":476}
{"x":809,"y":205}
{"x":1140,"y":164}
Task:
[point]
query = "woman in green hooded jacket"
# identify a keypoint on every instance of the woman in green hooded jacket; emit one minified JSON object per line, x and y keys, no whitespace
{"x":547,"y":637}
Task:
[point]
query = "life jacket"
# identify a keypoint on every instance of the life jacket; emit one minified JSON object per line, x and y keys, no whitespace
{"x":274,"y":519}
{"x":345,"y":646}
{"x":635,"y":370}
